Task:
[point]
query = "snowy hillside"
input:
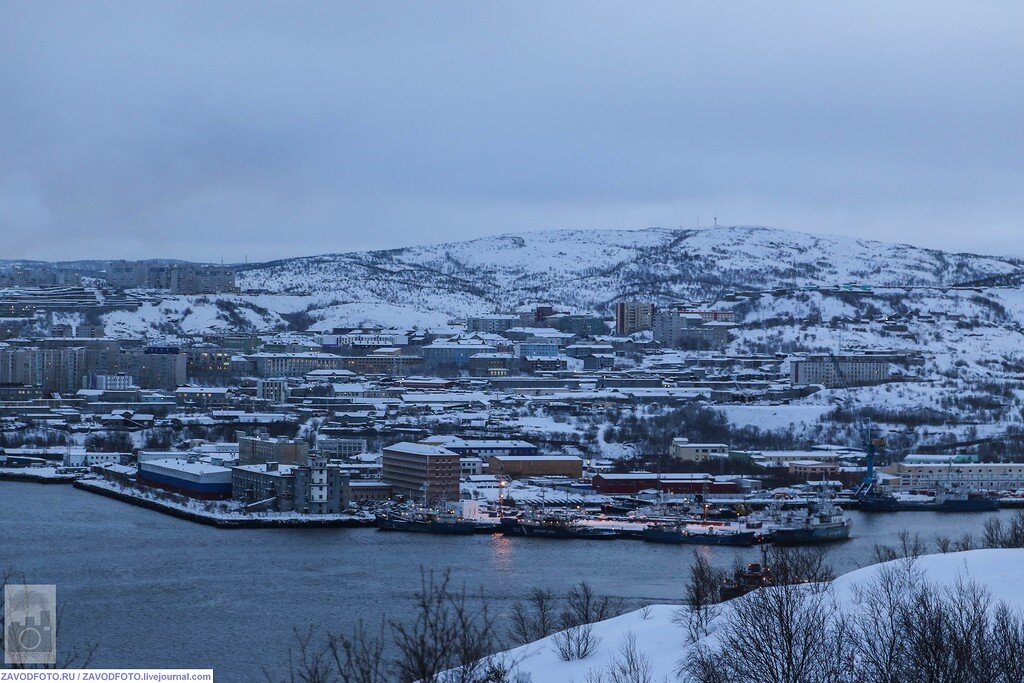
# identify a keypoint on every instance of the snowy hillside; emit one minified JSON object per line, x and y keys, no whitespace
{"x":429,"y":286}
{"x":589,"y":269}
{"x":661,"y":641}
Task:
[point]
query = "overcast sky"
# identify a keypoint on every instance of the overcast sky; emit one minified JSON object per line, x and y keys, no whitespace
{"x":226,"y":130}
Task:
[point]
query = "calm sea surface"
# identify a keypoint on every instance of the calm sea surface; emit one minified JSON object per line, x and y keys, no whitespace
{"x":154,"y":591}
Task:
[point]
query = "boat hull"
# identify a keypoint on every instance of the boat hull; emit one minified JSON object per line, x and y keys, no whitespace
{"x":811,"y":535}
{"x":444,"y":528}
{"x":745,"y":538}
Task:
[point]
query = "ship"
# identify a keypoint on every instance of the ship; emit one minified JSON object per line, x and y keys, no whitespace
{"x":554,"y":526}
{"x":821,"y":522}
{"x":947,"y":499}
{"x":699,"y":534}
{"x":428,"y":522}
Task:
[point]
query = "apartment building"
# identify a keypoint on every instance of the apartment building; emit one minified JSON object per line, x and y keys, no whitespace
{"x":633,"y":316}
{"x":420,"y":471}
{"x":833,"y":371}
{"x":254,"y":450}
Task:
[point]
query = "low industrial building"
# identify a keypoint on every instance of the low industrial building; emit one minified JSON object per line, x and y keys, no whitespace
{"x":188,"y":477}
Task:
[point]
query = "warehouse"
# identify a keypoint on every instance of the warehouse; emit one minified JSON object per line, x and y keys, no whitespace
{"x":187,"y":477}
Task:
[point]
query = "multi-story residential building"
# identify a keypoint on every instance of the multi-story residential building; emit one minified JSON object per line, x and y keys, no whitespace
{"x":419,"y":471}
{"x":54,"y":370}
{"x":676,"y":329}
{"x":341,"y":448}
{"x":833,"y":371}
{"x":110,"y":381}
{"x":156,"y":367}
{"x":294,"y":364}
{"x":275,"y":390}
{"x":202,"y":397}
{"x":706,"y":314}
{"x":534,"y":349}
{"x":186,"y":278}
{"x":316,"y":489}
{"x":578,"y":325}
{"x":497,"y":322}
{"x":208,"y":361}
{"x":253,"y":450}
{"x":633,"y":316}
{"x":441,"y":354}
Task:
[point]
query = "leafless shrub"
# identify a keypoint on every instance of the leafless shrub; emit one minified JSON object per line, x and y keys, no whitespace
{"x":645,"y":612}
{"x":359,"y":656}
{"x":798,"y":565}
{"x":576,"y":642}
{"x":534,"y":618}
{"x":628,"y":666}
{"x":702,"y":594}
{"x":1000,"y":535}
{"x":449,"y":640}
{"x":877,"y":622}
{"x":910,"y":547}
{"x":783,"y":633}
{"x":583,"y":606}
{"x":965,"y":542}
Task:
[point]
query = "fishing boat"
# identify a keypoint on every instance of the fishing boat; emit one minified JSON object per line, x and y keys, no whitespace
{"x":820,"y":522}
{"x":554,"y":525}
{"x":946,"y":499}
{"x":699,"y":533}
{"x":427,"y":521}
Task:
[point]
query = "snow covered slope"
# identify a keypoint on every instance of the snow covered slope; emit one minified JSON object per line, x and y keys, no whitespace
{"x":664,"y":642}
{"x":589,"y":269}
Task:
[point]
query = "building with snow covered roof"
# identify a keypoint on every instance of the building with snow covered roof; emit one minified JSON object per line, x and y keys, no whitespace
{"x":536,"y":465}
{"x":422,"y":471}
{"x":186,"y":476}
{"x":832,"y":371}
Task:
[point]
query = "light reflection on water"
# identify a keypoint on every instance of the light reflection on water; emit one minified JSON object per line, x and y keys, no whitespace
{"x":156,"y":591}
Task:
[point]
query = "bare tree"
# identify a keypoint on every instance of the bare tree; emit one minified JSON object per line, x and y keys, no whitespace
{"x":1000,"y":535}
{"x":576,"y":642}
{"x":630,"y":665}
{"x":702,"y":593}
{"x":879,"y":639}
{"x":534,"y":618}
{"x":782,"y":633}
{"x":449,"y":641}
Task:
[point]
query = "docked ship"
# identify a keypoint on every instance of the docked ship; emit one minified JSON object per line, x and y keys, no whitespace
{"x":947,"y":499}
{"x":698,"y":533}
{"x":821,"y":522}
{"x":428,"y":522}
{"x":554,"y":526}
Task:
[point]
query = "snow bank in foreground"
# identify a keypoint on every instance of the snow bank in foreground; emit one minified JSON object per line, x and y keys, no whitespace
{"x":664,"y":642}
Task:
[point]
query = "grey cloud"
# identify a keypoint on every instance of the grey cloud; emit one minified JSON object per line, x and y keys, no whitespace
{"x":233,"y":129}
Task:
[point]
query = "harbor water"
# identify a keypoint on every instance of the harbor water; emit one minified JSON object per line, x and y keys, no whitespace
{"x":153,"y":591}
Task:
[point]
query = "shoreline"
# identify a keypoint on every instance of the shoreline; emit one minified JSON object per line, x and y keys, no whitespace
{"x":217,"y":521}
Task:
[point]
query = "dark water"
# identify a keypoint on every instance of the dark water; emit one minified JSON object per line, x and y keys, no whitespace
{"x":154,"y":591}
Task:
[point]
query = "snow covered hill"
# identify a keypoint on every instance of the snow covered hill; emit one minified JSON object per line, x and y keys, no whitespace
{"x":661,"y":641}
{"x":590,"y":269}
